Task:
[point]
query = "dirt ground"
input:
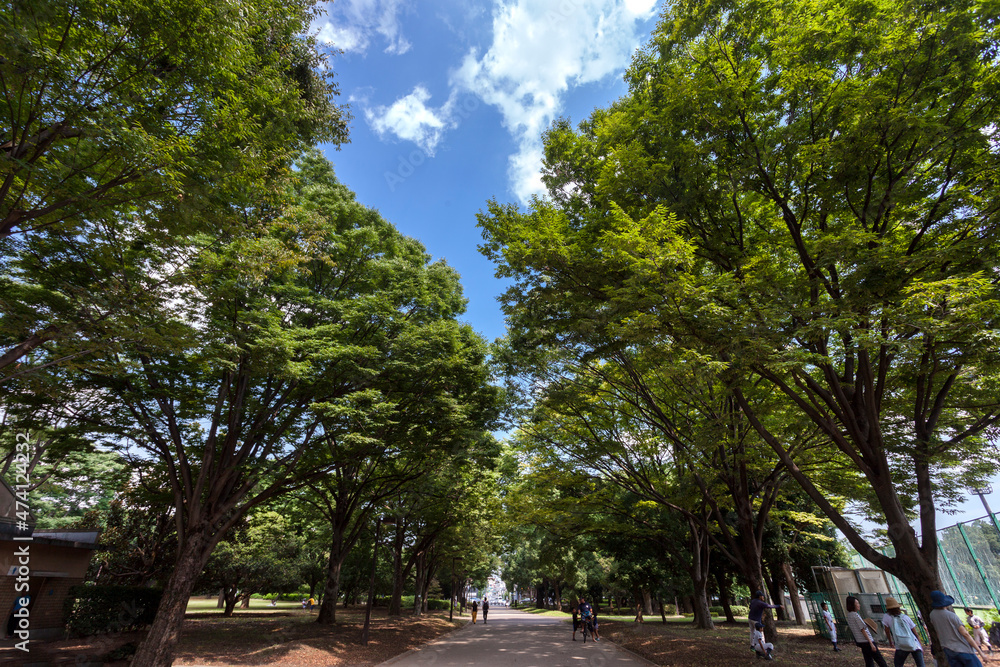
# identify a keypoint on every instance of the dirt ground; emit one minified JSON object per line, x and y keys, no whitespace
{"x":676,"y":644}
{"x":680,"y":644}
{"x":279,"y":639}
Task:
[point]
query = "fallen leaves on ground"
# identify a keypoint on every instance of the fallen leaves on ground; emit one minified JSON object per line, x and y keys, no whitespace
{"x":291,"y":639}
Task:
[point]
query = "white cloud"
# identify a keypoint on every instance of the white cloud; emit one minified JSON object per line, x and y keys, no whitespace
{"x":540,"y":50}
{"x":351,"y":24}
{"x":410,"y":118}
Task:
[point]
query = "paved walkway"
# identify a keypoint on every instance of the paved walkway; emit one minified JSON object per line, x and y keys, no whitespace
{"x":515,"y":638}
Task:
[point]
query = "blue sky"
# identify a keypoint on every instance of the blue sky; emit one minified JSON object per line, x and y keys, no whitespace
{"x":450,"y":98}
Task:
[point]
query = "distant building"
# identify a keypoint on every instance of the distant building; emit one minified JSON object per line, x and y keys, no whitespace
{"x":56,"y":560}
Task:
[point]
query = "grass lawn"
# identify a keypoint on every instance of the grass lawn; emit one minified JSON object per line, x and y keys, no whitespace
{"x":203,"y":605}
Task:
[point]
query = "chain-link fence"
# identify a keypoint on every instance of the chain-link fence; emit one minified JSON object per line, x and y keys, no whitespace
{"x":968,"y":563}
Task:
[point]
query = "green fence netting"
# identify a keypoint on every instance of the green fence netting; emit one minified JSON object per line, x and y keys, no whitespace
{"x":968,"y":563}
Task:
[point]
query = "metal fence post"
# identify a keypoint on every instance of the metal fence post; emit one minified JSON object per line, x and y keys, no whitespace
{"x":979,"y":567}
{"x":958,"y":586}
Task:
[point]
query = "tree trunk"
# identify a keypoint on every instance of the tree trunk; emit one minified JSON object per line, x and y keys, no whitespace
{"x":793,"y":591}
{"x":431,"y":565}
{"x":231,"y":599}
{"x":647,"y":603}
{"x":245,"y":601}
{"x":423,"y":596}
{"x":756,"y":583}
{"x":221,"y":604}
{"x":396,"y":601}
{"x":700,"y":572}
{"x":157,"y":649}
{"x":558,"y":602}
{"x":920,"y":580}
{"x":774,"y":587}
{"x":540,"y":601}
{"x":702,"y":614}
{"x":663,"y":612}
{"x":419,"y":585}
{"x":328,"y":609}
{"x":725,"y":595}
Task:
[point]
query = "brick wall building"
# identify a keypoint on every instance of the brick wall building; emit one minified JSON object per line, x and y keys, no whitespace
{"x":55,"y":560}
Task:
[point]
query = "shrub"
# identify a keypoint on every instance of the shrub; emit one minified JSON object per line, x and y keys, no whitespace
{"x":740,"y":610}
{"x":437,"y":605}
{"x":94,"y":610}
{"x":716,"y":611}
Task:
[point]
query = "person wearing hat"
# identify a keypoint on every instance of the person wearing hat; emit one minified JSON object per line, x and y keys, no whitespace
{"x":902,"y":632}
{"x":958,"y":644}
{"x":757,"y":607}
{"x":862,"y":632}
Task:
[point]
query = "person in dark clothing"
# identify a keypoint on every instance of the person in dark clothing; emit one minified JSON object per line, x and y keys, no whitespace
{"x":757,"y":607}
{"x":486,"y":609}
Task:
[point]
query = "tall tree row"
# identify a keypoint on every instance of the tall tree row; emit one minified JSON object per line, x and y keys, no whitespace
{"x":801,"y":198}
{"x":184,"y":283}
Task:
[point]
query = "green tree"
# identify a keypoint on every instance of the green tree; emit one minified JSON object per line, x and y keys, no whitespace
{"x":139,"y":530}
{"x":253,"y":558}
{"x":118,"y":112}
{"x":804,"y":193}
{"x":255,"y":370}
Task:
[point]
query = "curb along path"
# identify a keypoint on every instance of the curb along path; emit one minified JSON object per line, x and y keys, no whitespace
{"x":512,"y":638}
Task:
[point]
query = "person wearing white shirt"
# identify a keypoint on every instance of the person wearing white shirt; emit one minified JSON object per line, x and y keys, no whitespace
{"x":831,"y":625}
{"x":762,"y":648}
{"x":978,"y":629}
{"x":902,"y":631}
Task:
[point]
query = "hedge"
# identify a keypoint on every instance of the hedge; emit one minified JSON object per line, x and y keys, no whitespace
{"x":95,"y":610}
{"x":738,"y":610}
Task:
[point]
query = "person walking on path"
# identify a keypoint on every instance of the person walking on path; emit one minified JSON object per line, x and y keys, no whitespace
{"x":486,"y":609}
{"x":902,"y":632}
{"x":862,"y":634}
{"x":757,"y":607}
{"x":831,"y":625}
{"x":955,"y":639}
{"x":475,"y":610}
{"x":978,"y":630}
